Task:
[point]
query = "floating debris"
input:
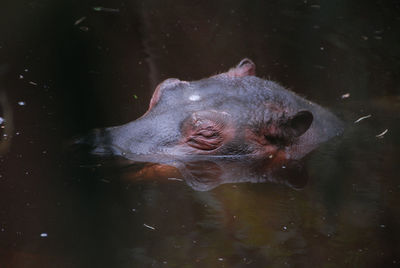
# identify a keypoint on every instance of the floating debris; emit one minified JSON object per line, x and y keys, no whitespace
{"x":79,"y":21}
{"x":148,"y":226}
{"x":319,"y":66}
{"x":345,"y":96}
{"x":43,"y":235}
{"x":365,"y":38}
{"x":362,"y":118}
{"x":135,"y":96}
{"x":104,"y":180}
{"x":106,"y":9}
{"x":21,"y":103}
{"x":21,"y":76}
{"x":174,"y":179}
{"x":84,"y":28}
{"x":33,"y":83}
{"x":382,"y":134}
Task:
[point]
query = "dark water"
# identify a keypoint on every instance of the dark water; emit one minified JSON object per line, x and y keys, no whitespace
{"x":58,"y":80}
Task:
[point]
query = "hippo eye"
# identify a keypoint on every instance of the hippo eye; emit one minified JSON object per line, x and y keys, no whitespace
{"x":205,"y":139}
{"x":206,"y":130}
{"x":208,"y":133}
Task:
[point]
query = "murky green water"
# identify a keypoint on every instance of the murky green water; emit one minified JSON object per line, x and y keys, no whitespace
{"x":69,"y":66}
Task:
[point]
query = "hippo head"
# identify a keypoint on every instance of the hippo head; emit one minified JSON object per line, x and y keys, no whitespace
{"x":229,"y":114}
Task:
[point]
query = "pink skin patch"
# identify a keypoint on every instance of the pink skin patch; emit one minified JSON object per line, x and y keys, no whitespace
{"x":160,"y":88}
{"x":245,"y":68}
{"x":157,"y":93}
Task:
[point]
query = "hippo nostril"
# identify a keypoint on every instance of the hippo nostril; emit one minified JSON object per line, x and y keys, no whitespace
{"x":244,"y":62}
{"x":246,"y":67}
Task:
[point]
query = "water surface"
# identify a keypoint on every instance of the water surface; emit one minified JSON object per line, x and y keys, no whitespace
{"x":69,"y":66}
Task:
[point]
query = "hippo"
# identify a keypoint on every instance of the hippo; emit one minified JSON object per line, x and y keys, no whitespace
{"x":229,"y":114}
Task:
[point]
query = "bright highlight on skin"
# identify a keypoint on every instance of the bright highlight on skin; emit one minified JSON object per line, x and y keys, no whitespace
{"x":194,"y":98}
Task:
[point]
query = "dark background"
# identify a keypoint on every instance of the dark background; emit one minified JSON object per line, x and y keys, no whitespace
{"x":102,"y":72}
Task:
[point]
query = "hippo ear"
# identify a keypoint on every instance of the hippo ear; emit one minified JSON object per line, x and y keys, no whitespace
{"x":245,"y":67}
{"x":298,"y":124}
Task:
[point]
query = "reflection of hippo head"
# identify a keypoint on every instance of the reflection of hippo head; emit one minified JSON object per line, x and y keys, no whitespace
{"x":208,"y":174}
{"x":233,"y":113}
{"x":204,"y":174}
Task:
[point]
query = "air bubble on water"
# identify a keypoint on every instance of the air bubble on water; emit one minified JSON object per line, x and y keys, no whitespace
{"x":43,"y":235}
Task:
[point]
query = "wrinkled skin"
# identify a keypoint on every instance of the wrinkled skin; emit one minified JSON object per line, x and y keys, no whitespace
{"x":229,"y":114}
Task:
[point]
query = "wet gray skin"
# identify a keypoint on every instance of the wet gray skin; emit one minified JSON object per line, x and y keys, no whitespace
{"x":230,"y":114}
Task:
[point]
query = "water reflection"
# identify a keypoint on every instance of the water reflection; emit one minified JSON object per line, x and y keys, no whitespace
{"x":204,"y":212}
{"x":208,"y":173}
